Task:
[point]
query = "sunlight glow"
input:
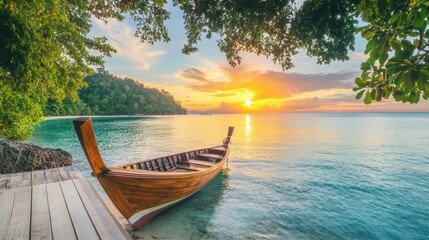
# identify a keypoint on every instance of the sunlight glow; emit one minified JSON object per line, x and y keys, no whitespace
{"x":248,"y":103}
{"x":248,"y":126}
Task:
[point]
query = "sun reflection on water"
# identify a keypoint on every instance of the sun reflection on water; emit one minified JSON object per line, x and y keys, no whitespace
{"x":248,"y":125}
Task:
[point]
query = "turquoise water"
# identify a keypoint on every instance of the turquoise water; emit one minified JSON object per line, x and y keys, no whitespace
{"x":295,"y":176}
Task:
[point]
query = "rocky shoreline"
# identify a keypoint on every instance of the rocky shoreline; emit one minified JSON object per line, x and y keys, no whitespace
{"x":18,"y":156}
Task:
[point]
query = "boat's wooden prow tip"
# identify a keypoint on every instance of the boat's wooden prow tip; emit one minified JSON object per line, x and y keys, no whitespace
{"x":230,"y":130}
{"x":227,"y":140}
{"x":85,"y":133}
{"x":80,"y":120}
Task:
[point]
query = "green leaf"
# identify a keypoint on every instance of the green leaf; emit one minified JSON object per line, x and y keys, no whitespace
{"x":419,"y":21}
{"x":364,"y":76}
{"x":393,"y":18}
{"x":408,"y":83}
{"x":370,"y":45}
{"x":370,"y":61}
{"x":414,"y":96}
{"x":416,"y":43}
{"x":408,"y":46}
{"x":383,"y":58}
{"x":403,"y":54}
{"x":375,"y":54}
{"x":359,"y":95}
{"x":367,"y":99}
{"x":373,"y":94}
{"x":365,"y":66}
{"x":360,"y":82}
{"x":424,"y":12}
{"x":398,"y":78}
{"x":391,"y":68}
{"x":368,"y":34}
{"x":426,"y":91}
{"x":386,"y":93}
{"x":398,"y":95}
{"x":410,"y":16}
{"x":379,"y":94}
{"x":396,"y":44}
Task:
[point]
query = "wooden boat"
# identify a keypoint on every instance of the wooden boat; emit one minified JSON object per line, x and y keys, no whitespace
{"x":143,"y":189}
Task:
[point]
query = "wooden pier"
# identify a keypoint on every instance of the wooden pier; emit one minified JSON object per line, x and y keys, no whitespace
{"x":54,"y":204}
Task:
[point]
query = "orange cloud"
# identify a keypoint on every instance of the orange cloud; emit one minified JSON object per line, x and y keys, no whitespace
{"x":265,"y":85}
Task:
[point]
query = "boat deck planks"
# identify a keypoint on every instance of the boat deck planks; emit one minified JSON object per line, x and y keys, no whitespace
{"x":54,"y":204}
{"x":210,"y":155}
{"x":199,"y":162}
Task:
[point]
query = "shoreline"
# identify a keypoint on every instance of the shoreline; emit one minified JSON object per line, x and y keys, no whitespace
{"x":101,"y":116}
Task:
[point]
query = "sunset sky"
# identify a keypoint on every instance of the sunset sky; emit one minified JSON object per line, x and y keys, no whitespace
{"x":205,"y":82}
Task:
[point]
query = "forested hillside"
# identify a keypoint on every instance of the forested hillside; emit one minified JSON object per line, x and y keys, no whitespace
{"x":110,"y":95}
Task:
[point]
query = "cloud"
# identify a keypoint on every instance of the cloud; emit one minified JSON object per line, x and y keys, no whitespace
{"x":121,"y":36}
{"x":194,"y":74}
{"x":224,"y":94}
{"x":265,"y":85}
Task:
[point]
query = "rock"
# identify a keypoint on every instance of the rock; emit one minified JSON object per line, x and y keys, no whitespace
{"x":20,"y":157}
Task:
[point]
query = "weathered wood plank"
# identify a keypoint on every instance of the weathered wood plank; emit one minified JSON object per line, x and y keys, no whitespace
{"x":18,"y":180}
{"x":219,"y":148}
{"x":52,"y":175}
{"x":6,"y":205}
{"x":54,"y":209}
{"x":210,"y":155}
{"x":62,"y":227}
{"x":80,"y":219}
{"x":38,"y":177}
{"x":64,"y":173}
{"x":40,"y":218}
{"x":4,"y":180}
{"x":104,"y":222}
{"x":203,"y":163}
{"x":74,"y":173}
{"x":19,"y":225}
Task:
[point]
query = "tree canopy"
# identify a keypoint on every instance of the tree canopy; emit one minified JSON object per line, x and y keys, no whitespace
{"x":45,"y":51}
{"x":44,"y":54}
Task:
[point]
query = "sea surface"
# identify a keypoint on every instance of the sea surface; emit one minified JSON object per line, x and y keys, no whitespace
{"x":291,"y":176}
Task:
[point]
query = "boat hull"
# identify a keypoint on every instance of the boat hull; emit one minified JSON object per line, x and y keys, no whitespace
{"x":148,"y":193}
{"x":143,"y":189}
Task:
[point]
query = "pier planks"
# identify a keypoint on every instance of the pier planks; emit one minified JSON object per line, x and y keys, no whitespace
{"x":54,"y":204}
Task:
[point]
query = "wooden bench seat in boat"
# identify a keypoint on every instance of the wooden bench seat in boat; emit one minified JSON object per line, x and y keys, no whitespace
{"x":187,"y":168}
{"x":193,"y":168}
{"x":210,"y":155}
{"x":220,"y":148}
{"x":200,"y":162}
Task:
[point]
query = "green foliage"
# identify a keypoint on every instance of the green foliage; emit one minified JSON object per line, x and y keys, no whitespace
{"x":275,"y":29}
{"x":17,"y":123}
{"x":398,"y":48}
{"x":44,"y":53}
{"x":109,"y":95}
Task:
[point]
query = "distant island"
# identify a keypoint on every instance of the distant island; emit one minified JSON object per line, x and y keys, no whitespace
{"x":110,"y":95}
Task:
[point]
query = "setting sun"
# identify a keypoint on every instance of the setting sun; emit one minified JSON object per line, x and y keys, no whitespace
{"x":248,"y":103}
